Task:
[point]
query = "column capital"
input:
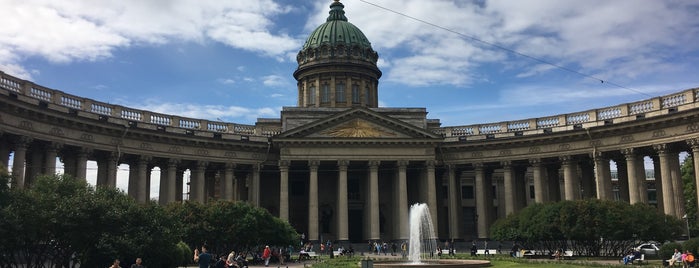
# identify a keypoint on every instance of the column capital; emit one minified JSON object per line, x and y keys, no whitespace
{"x":693,"y":143}
{"x":430,"y":163}
{"x":173,"y":162}
{"x":201,"y":164}
{"x":597,"y":155}
{"x":230,"y":166}
{"x":506,"y":164}
{"x":84,"y":152}
{"x":284,"y":163}
{"x":23,"y":141}
{"x":145,"y":159}
{"x":535,"y":162}
{"x":661,"y":148}
{"x":478,"y":165}
{"x":374,"y":163}
{"x":54,"y":146}
{"x":566,"y":159}
{"x":343,"y":163}
{"x":402,"y":163}
{"x":629,"y":152}
{"x":313,"y":163}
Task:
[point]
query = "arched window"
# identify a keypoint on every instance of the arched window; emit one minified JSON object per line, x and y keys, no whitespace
{"x":340,"y":92}
{"x":355,"y":94}
{"x":312,"y":95}
{"x":325,"y":93}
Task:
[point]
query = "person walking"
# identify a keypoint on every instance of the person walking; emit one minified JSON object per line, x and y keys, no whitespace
{"x":202,"y":258}
{"x":266,"y":255}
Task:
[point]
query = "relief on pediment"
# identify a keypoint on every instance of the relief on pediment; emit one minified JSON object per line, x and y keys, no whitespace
{"x":358,"y":129}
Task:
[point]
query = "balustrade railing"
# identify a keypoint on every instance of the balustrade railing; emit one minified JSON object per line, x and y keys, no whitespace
{"x":649,"y":107}
{"x":17,"y":86}
{"x":602,"y":116}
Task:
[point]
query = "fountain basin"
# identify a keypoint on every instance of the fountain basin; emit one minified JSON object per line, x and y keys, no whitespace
{"x":434,"y":263}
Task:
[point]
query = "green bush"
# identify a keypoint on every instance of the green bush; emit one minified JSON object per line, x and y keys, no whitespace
{"x":691,"y":245}
{"x":667,"y":249}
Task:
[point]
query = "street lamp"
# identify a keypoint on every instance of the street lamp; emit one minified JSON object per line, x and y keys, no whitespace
{"x":687,"y":221}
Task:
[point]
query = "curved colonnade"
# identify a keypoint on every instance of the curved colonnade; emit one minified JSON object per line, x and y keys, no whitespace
{"x":470,"y":175}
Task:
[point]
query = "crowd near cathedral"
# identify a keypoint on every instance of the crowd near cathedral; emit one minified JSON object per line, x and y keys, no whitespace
{"x":337,"y":166}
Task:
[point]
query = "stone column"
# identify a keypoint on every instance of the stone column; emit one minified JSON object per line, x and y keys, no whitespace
{"x":454,"y":202}
{"x":509,"y":186}
{"x":657,"y":174}
{"x":623,"y":180}
{"x":197,"y":184}
{"x":179,"y":184}
{"x":431,"y":196}
{"x":102,"y":171}
{"x":677,"y":185}
{"x":342,"y":203}
{"x":636,"y":185}
{"x":112,"y":168}
{"x":168,"y":186}
{"x":228,"y":181}
{"x":402,"y":199}
{"x":142,"y":179}
{"x":33,"y":164}
{"x":373,"y":205}
{"x":694,"y":144}
{"x":313,"y":200}
{"x":540,"y":184}
{"x":81,"y":164}
{"x":18,"y":161}
{"x":483,"y":202}
{"x":4,"y":153}
{"x":254,"y":196}
{"x":570,"y":182}
{"x":668,"y":189}
{"x":602,"y":177}
{"x":283,"y":189}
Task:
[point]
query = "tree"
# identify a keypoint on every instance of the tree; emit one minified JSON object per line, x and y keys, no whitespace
{"x":62,"y":222}
{"x":589,"y":227}
{"x":225,"y":225}
{"x":690,"y":190}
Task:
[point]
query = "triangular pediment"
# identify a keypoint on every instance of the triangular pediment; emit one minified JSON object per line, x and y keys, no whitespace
{"x":358,"y":123}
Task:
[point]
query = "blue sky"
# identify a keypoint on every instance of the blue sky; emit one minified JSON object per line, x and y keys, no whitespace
{"x":233,"y":60}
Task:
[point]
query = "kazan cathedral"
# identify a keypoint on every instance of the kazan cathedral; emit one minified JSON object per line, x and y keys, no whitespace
{"x":338,"y":167}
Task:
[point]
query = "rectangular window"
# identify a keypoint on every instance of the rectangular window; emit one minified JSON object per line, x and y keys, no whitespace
{"x":340,"y":92}
{"x":312,"y":95}
{"x":355,"y":94}
{"x":325,"y":93}
{"x":367,"y":96}
{"x":531,"y":192}
{"x":467,"y":192}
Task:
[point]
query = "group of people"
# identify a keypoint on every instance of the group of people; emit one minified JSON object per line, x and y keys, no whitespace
{"x":383,"y":247}
{"x":137,"y":264}
{"x":686,"y":258}
{"x":204,"y":259}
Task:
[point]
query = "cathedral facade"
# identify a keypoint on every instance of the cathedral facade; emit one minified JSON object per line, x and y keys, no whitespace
{"x":338,"y":167}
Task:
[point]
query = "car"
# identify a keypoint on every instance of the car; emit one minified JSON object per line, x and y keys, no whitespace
{"x":648,"y":248}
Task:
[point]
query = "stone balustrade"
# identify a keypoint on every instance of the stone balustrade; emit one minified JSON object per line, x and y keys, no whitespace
{"x":59,"y":100}
{"x":649,"y":108}
{"x":657,"y":106}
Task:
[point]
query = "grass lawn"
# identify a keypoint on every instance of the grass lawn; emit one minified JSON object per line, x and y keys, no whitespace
{"x":497,"y":262}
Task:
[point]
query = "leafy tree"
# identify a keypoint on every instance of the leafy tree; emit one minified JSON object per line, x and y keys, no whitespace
{"x":225,"y":226}
{"x":690,"y":190}
{"x":589,"y":227}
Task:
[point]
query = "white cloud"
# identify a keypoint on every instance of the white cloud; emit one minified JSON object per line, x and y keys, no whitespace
{"x":226,"y":81}
{"x":82,"y":30}
{"x":209,"y":112}
{"x":618,"y":40}
{"x":274,"y":81}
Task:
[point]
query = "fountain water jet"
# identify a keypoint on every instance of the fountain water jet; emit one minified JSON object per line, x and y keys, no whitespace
{"x":422,"y":245}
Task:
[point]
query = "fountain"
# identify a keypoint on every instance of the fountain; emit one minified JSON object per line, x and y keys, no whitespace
{"x":422,"y":245}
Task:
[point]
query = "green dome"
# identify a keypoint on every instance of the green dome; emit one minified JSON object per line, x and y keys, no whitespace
{"x":336,"y":30}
